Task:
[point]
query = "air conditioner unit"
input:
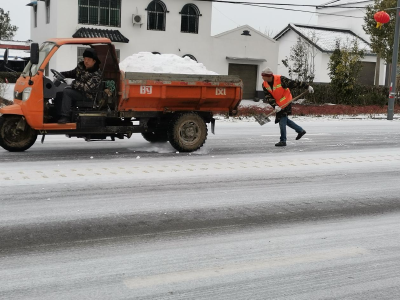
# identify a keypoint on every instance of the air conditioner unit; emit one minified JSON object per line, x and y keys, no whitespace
{"x":137,"y":20}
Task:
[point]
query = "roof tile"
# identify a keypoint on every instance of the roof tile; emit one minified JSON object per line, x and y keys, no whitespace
{"x":113,"y":35}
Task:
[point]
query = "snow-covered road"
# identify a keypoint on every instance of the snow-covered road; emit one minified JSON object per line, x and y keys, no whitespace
{"x":238,"y":219}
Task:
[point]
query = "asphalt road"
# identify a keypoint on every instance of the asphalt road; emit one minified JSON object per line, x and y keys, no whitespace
{"x":239,"y":219}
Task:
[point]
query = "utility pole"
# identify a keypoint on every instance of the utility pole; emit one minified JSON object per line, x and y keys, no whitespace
{"x":392,"y":92}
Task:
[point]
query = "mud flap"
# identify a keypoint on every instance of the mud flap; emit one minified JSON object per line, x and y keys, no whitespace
{"x":212,"y":125}
{"x":21,"y":124}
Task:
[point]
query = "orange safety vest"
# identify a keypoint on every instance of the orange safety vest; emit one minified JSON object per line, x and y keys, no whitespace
{"x":282,"y":96}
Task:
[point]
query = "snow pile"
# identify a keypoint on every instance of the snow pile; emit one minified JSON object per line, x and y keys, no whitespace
{"x":148,"y":62}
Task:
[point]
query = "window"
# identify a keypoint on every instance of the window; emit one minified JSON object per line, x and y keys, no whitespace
{"x":190,"y":19}
{"x":47,"y":11}
{"x":100,"y":12}
{"x":35,"y":16}
{"x":82,"y":49}
{"x":43,"y":52}
{"x":190,"y":56}
{"x":156,"y":15}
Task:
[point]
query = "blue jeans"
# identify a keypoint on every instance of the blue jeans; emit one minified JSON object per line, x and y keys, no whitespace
{"x":285,"y":121}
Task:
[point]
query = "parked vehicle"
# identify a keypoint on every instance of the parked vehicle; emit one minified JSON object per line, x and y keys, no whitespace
{"x":162,"y":107}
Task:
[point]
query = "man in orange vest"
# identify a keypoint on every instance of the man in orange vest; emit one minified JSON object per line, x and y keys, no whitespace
{"x":277,"y":94}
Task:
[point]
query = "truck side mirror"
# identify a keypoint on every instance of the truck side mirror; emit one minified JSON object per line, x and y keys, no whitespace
{"x":34,"y":53}
{"x":5,"y":57}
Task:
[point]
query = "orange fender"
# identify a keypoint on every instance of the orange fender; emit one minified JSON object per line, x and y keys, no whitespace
{"x":13,"y":109}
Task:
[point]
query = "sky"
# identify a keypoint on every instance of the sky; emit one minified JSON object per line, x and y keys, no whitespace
{"x":225,"y":16}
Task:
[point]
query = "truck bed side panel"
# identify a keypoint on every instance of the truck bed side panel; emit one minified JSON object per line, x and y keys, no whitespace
{"x":177,"y":92}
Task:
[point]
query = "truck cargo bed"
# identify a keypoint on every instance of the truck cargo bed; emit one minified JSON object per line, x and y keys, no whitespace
{"x":180,"y":92}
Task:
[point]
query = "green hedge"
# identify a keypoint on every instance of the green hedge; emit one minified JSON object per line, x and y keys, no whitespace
{"x":11,"y":77}
{"x":362,"y":95}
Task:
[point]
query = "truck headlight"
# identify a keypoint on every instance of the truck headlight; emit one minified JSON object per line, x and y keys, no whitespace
{"x":26,"y":93}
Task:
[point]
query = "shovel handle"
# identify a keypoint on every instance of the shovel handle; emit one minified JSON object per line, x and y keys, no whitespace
{"x":294,"y":99}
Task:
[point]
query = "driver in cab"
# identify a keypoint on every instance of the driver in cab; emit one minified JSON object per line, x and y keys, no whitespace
{"x":87,"y":79}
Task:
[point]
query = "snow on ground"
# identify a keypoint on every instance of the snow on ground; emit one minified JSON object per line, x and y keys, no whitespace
{"x":8,"y":93}
{"x":163,"y":63}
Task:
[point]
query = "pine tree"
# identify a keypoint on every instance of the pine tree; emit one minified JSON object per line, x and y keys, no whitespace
{"x":344,"y":67}
{"x":7,"y":31}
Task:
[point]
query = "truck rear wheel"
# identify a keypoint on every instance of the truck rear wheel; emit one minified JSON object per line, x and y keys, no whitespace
{"x":159,"y":136}
{"x":15,"y":134}
{"x":187,"y":132}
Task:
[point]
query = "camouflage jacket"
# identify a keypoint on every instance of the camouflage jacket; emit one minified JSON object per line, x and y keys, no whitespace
{"x":86,"y":81}
{"x":286,"y":83}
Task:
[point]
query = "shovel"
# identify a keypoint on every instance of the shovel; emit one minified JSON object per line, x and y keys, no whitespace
{"x":264,"y":119}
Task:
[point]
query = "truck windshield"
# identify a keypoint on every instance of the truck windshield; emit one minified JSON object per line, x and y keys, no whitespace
{"x":43,"y":52}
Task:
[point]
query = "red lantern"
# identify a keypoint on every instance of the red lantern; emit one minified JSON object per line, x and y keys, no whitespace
{"x":381,"y":17}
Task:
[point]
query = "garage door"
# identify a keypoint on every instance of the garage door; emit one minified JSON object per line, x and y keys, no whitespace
{"x":248,"y":74}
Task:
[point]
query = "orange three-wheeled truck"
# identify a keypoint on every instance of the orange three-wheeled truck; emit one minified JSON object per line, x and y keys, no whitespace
{"x":162,"y":107}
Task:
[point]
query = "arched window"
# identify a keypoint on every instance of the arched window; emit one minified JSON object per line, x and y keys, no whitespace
{"x":190,"y":56}
{"x":156,"y":15}
{"x":190,"y":18}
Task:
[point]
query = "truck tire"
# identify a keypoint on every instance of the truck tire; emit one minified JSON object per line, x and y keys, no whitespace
{"x":187,"y":132}
{"x":156,"y":136}
{"x":14,"y":139}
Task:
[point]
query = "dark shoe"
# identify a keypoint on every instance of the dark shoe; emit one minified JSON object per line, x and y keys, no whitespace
{"x":63,"y":120}
{"x":280,"y":144}
{"x":300,"y":135}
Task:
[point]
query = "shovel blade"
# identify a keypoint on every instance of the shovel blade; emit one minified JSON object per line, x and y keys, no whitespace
{"x":262,"y":119}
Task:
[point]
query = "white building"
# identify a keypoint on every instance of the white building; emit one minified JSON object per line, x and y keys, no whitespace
{"x":337,"y":20}
{"x":180,"y":27}
{"x":323,"y":40}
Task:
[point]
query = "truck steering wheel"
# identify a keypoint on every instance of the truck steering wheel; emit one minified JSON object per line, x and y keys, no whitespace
{"x":58,"y":75}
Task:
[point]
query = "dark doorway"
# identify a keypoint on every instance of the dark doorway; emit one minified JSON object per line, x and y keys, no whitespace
{"x":367,"y":74}
{"x":248,"y":74}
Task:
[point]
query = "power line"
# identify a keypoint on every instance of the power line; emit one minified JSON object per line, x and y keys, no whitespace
{"x":226,"y":15}
{"x":281,"y":4}
{"x":264,"y":5}
{"x":298,"y":10}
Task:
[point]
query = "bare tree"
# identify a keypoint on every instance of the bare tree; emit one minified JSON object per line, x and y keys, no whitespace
{"x":7,"y":31}
{"x":269,"y":32}
{"x":301,"y":61}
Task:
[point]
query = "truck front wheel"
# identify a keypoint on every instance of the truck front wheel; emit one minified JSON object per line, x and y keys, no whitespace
{"x":187,"y":132}
{"x":15,"y":134}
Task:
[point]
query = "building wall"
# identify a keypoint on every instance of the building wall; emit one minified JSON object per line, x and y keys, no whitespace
{"x":256,"y":49}
{"x":211,"y":51}
{"x":321,"y":60}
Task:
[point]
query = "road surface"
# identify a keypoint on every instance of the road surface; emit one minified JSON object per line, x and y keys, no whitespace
{"x":238,"y":219}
